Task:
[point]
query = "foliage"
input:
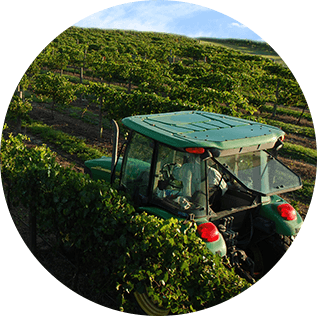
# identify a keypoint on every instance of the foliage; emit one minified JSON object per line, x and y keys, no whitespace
{"x":176,"y":268}
{"x":70,"y":144}
{"x":292,"y":129}
{"x":119,"y":104}
{"x":25,"y":172}
{"x":18,"y":108}
{"x":159,"y":64}
{"x":299,"y":152}
{"x":54,"y":86}
{"x":121,"y":250}
{"x":286,"y":111}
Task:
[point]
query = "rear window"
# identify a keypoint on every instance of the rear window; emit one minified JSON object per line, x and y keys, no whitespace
{"x":261,"y":172}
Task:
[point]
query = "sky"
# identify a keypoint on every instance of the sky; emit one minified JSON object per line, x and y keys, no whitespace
{"x":169,"y":17}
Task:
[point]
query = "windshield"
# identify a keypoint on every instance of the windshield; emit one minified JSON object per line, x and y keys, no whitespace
{"x":261,"y":172}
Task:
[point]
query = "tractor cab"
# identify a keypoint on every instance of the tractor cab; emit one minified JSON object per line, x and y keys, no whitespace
{"x":202,"y":163}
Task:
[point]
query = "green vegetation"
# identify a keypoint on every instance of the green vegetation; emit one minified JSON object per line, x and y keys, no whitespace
{"x":58,"y":88}
{"x":85,"y":215}
{"x":286,"y":111}
{"x":124,"y":73}
{"x":19,"y":108}
{"x":293,"y":129}
{"x":134,"y":73}
{"x":245,"y":46}
{"x":70,"y":144}
{"x":298,"y":152}
{"x":171,"y":66}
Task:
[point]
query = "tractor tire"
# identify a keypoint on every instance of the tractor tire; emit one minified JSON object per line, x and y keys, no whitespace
{"x":272,"y":250}
{"x":148,"y":306}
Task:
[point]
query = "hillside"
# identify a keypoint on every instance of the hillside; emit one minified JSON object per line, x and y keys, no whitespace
{"x":111,"y":74}
{"x":245,"y":46}
{"x":173,"y":66}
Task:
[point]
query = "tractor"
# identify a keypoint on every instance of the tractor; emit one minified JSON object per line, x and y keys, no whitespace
{"x":219,"y":171}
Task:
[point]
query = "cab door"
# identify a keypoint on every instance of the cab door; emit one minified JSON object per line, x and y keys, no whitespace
{"x":135,"y":176}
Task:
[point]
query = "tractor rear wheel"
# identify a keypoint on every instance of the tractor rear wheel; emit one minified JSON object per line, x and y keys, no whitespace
{"x":149,"y":306}
{"x":268,"y":252}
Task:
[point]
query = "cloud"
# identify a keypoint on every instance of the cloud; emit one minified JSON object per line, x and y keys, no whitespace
{"x":142,"y":16}
{"x":235,"y":24}
{"x":201,"y":34}
{"x":168,"y":17}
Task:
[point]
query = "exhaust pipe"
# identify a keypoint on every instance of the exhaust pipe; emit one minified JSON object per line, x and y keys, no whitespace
{"x":114,"y":150}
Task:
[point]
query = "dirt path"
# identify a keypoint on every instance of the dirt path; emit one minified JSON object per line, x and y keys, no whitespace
{"x":75,"y":127}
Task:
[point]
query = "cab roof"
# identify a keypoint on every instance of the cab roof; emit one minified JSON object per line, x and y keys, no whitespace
{"x":204,"y":129}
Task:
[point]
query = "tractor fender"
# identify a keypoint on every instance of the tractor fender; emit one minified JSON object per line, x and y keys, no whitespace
{"x":282,"y":226}
{"x":217,"y":247}
{"x":100,"y":168}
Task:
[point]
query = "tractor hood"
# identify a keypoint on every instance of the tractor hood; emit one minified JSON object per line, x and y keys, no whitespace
{"x":100,"y":168}
{"x":203,"y":129}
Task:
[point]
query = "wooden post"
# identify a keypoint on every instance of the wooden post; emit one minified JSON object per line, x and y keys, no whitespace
{"x":277,"y":97}
{"x":304,"y":108}
{"x":100,"y":120}
{"x":32,"y":233}
{"x":19,"y":121}
{"x":129,"y":87}
{"x":81,"y":74}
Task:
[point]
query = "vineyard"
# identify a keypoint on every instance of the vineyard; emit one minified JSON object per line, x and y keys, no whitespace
{"x":86,"y":77}
{"x":159,"y":71}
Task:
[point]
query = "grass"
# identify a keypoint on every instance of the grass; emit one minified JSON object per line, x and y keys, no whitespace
{"x":298,"y":152}
{"x":83,"y":114}
{"x":293,"y":129}
{"x":303,"y":195}
{"x":245,"y":46}
{"x":70,"y":144}
{"x":286,"y":111}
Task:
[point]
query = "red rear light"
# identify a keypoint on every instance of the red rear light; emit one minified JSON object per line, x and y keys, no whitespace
{"x":287,"y":212}
{"x":208,"y":232}
{"x":195,"y":150}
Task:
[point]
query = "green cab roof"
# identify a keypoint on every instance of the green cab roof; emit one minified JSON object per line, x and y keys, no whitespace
{"x":204,"y":129}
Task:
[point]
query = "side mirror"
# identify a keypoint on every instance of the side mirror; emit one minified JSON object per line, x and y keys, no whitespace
{"x":207,"y":154}
{"x":211,"y":152}
{"x":278,"y":146}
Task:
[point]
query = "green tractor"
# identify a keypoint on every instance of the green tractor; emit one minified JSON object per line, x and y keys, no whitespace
{"x":219,"y":171}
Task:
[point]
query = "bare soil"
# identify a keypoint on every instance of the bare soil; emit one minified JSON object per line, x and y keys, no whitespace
{"x":73,"y":126}
{"x":293,"y":120}
{"x":301,"y":140}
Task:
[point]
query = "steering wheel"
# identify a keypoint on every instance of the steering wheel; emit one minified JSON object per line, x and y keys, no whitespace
{"x":167,"y":171}
{"x":168,"y":178}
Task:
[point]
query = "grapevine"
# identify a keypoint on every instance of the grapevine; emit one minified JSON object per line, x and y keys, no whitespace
{"x":173,"y":66}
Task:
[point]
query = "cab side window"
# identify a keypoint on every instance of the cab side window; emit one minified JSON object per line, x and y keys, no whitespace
{"x":137,"y":165}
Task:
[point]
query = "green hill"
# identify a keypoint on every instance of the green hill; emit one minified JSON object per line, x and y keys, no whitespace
{"x":168,"y":71}
{"x":245,"y":46}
